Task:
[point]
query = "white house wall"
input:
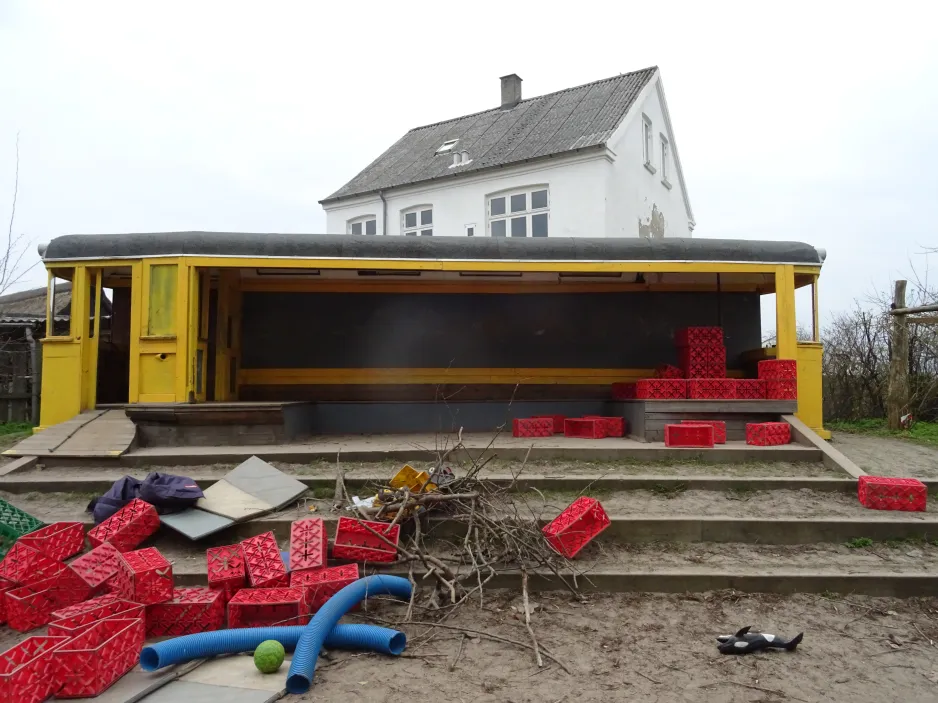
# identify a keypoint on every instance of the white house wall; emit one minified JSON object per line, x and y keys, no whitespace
{"x":576,"y":185}
{"x":637,"y":202}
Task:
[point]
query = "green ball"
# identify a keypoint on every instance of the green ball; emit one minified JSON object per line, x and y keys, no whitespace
{"x":268,"y":657}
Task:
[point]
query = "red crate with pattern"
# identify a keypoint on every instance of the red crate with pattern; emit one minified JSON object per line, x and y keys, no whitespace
{"x":90,"y":663}
{"x":557,"y":421}
{"x":885,"y":493}
{"x":668,"y":371}
{"x":703,"y":361}
{"x":612,"y":426}
{"x":661,"y":389}
{"x":321,"y":585}
{"x":532,"y":427}
{"x":690,"y":336}
{"x":355,"y":542}
{"x":781,"y":390}
{"x":23,"y":565}
{"x":84,"y":606}
{"x":28,"y":671}
{"x":768,"y":434}
{"x":778,"y":369}
{"x":624,"y":391}
{"x":74,"y":625}
{"x":97,"y":566}
{"x":31,"y":606}
{"x":58,"y":541}
{"x":750,"y":389}
{"x":190,"y":610}
{"x":128,"y":527}
{"x":143,"y":576}
{"x":309,"y":544}
{"x":268,"y":607}
{"x":4,"y":587}
{"x":576,"y":526}
{"x":584,"y":428}
{"x":711,"y":389}
{"x":688,"y":435}
{"x":226,"y":571}
{"x":263,"y":563}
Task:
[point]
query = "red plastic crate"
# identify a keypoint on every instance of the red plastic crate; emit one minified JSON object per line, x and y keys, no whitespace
{"x":573,"y":529}
{"x":189,"y":611}
{"x":4,"y":587}
{"x":309,"y":544}
{"x":263,"y":563}
{"x":624,"y":391}
{"x":23,"y":565}
{"x":128,"y":527}
{"x":711,"y":389}
{"x":719,"y":428}
{"x":31,"y":606}
{"x":750,"y":389}
{"x":884,"y":493}
{"x":781,"y":390}
{"x":532,"y":427}
{"x":557,"y":421}
{"x":93,"y":661}
{"x":97,"y":566}
{"x":58,"y":541}
{"x":778,"y":369}
{"x":612,"y":426}
{"x":768,"y":434}
{"x":687,"y":435}
{"x":268,"y":607}
{"x":661,"y":389}
{"x":83,"y":607}
{"x":76,"y":624}
{"x":226,"y":571}
{"x":143,"y":576}
{"x":668,"y":371}
{"x":585,"y":428}
{"x":690,"y":336}
{"x":321,"y":585}
{"x":703,"y":361}
{"x":28,"y":671}
{"x":353,"y":541}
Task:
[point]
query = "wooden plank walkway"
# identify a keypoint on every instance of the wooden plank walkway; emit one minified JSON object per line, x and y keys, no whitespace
{"x":92,"y":434}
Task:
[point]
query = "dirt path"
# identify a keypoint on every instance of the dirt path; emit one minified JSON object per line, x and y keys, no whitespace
{"x":657,"y":649}
{"x":884,"y":456}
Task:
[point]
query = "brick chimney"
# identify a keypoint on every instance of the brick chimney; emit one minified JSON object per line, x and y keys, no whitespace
{"x":511,"y":90}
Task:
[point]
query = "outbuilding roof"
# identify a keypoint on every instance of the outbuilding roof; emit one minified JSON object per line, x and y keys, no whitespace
{"x":347,"y":246}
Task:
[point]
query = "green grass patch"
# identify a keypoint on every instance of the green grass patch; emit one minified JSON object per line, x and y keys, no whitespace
{"x":668,"y":491}
{"x":9,"y":428}
{"x":859,"y":543}
{"x":921,"y":432}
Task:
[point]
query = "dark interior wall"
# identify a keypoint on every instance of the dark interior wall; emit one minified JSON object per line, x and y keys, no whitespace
{"x":421,"y":330}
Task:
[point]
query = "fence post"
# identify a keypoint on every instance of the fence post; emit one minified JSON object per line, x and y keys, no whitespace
{"x":897,"y":397}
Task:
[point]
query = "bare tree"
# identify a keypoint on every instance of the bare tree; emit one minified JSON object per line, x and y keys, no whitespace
{"x":16,"y":246}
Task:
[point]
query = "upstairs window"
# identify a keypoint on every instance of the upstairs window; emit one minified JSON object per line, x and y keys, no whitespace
{"x":417,"y":221}
{"x":447,"y":146}
{"x":520,"y":213}
{"x":363,"y":225}
{"x":648,"y":143}
{"x":665,"y":158}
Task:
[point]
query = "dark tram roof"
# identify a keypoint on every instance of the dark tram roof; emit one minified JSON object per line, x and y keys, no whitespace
{"x":348,"y":246}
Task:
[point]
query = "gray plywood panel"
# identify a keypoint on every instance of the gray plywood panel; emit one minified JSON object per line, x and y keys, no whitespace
{"x":192,"y":692}
{"x":196,"y":524}
{"x":259,"y":479}
{"x":222,"y":498}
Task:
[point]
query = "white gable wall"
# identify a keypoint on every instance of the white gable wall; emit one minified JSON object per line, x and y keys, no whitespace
{"x":638,"y":204}
{"x":576,"y":185}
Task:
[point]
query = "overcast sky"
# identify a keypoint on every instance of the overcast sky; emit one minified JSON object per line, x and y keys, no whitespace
{"x":810,"y":121}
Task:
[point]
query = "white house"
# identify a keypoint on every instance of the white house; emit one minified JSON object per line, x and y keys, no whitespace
{"x":598,"y":160}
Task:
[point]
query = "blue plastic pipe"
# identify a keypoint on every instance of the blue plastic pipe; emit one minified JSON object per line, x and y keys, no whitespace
{"x":207,"y":644}
{"x":315,"y":633}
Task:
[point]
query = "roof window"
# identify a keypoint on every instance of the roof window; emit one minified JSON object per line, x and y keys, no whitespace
{"x":447,"y":146}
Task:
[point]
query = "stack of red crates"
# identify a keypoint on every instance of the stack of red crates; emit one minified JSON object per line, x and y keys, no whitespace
{"x":781,"y":378}
{"x":701,"y":354}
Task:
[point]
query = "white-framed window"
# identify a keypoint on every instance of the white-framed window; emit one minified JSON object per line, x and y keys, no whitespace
{"x":417,"y":221}
{"x":519,"y":213}
{"x":447,"y":146}
{"x":471,"y":230}
{"x":648,"y":144}
{"x":665,"y":158}
{"x":366,"y":224}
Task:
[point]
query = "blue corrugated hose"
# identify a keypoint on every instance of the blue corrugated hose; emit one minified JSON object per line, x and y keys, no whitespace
{"x":207,"y":644}
{"x":315,"y":633}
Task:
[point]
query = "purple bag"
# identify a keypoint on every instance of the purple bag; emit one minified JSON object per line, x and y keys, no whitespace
{"x":165,"y":492}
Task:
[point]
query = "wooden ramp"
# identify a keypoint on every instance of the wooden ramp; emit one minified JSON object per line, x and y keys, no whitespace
{"x":92,"y":434}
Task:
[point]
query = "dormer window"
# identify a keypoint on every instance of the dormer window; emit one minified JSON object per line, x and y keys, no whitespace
{"x":447,"y":146}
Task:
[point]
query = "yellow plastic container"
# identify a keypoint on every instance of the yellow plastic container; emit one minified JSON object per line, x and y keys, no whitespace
{"x":409,"y":477}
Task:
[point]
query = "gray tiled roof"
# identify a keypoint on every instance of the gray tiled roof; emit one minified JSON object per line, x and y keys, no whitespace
{"x":571,"y":119}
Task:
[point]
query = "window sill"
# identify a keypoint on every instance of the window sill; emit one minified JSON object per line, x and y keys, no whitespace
{"x":666,"y":183}
{"x":651,"y":169}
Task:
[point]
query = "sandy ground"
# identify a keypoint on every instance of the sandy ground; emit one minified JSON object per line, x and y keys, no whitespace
{"x":884,"y":456}
{"x":653,"y":648}
{"x":656,"y":648}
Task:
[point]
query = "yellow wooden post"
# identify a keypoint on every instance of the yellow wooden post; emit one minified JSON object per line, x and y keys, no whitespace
{"x":93,"y":342}
{"x":186,"y":331}
{"x":786,"y":329}
{"x":136,"y":320}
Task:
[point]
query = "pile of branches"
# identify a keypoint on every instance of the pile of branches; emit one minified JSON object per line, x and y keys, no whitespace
{"x":498,"y":532}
